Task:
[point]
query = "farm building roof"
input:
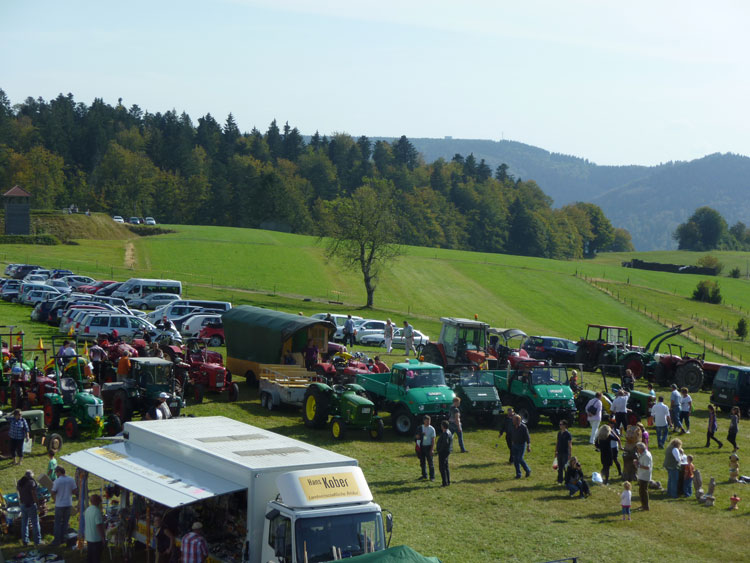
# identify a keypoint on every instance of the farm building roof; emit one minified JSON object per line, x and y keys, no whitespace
{"x":16,"y":191}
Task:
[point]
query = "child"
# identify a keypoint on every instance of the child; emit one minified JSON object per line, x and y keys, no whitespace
{"x":625,"y":500}
{"x":51,"y":466}
{"x":644,"y":434}
{"x":713,"y":427}
{"x":683,"y":467}
{"x":734,"y":425}
{"x":689,"y":474}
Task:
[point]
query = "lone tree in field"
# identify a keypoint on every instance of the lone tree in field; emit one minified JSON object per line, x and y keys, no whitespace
{"x":741,"y":329}
{"x":363,"y":231}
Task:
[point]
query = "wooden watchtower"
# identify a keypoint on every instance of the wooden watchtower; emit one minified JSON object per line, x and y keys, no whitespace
{"x":17,"y":215}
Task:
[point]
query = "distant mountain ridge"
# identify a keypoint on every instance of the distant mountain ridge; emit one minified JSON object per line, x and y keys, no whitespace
{"x":649,"y":201}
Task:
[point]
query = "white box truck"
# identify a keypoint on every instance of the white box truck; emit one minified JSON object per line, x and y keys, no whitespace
{"x":304,"y":503}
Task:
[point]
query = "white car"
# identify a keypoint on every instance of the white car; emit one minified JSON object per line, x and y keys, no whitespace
{"x":34,"y":278}
{"x":118,"y":219}
{"x":77,"y":281}
{"x":59,"y":285}
{"x":150,"y":221}
{"x":398,"y":339}
{"x":192,"y":326}
{"x":367,"y":327}
{"x":36,"y":295}
{"x":153,"y":301}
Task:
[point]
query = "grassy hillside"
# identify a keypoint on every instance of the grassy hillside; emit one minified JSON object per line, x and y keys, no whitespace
{"x":486,"y":515}
{"x":79,"y":226}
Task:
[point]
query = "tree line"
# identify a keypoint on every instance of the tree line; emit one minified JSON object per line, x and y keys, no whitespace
{"x":126,"y":161}
{"x":706,"y":229}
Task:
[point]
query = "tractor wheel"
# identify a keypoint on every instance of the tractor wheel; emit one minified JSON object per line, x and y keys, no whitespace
{"x":263,"y":400}
{"x":233,"y":393}
{"x":229,"y":376}
{"x":51,"y":414}
{"x":660,"y":375}
{"x":338,"y":429}
{"x":215,"y":341}
{"x":70,"y":427}
{"x":252,"y":381}
{"x":268,"y":402}
{"x":582,"y":359}
{"x":198,"y":392}
{"x":121,"y":406}
{"x":403,"y":422}
{"x":529,"y":413}
{"x":554,"y":420}
{"x":634,"y":362}
{"x":16,"y":397}
{"x":144,"y":307}
{"x":113,"y":425}
{"x":377,"y":431}
{"x":53,"y":442}
{"x":583,"y":420}
{"x":689,"y":375}
{"x":420,"y":349}
{"x":315,"y":407}
{"x":432,"y":355}
{"x":602,"y":361}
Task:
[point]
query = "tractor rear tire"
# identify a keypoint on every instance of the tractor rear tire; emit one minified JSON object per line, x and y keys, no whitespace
{"x":199,"y":392}
{"x":53,"y":443}
{"x":376,"y":432}
{"x":121,"y":406}
{"x":529,"y":413}
{"x":113,"y":425}
{"x":689,"y":375}
{"x":634,"y":362}
{"x":233,"y":393}
{"x":71,"y":429}
{"x":404,"y":423}
{"x":51,"y":414}
{"x":431,"y":354}
{"x":338,"y":429}
{"x":315,"y":407}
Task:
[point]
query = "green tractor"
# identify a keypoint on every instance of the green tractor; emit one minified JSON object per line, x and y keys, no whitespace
{"x":73,"y":404}
{"x":478,"y":394}
{"x":641,"y":362}
{"x":348,"y":406}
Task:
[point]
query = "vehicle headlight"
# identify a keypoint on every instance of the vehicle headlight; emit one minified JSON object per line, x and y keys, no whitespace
{"x":544,"y":401}
{"x":572,"y":403}
{"x":421,"y":407}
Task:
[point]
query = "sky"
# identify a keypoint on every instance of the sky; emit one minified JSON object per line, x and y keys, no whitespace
{"x":614,"y":82}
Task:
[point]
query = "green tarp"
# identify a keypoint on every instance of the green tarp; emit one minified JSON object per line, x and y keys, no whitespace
{"x":397,"y":554}
{"x":257,"y":334}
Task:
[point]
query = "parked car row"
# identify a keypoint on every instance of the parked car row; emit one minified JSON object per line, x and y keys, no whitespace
{"x":135,"y":220}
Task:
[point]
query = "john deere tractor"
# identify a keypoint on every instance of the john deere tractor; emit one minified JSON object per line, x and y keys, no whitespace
{"x":347,"y":405}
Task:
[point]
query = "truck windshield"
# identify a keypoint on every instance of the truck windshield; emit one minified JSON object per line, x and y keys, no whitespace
{"x":475,"y":378}
{"x":352,"y":534}
{"x":549,"y":376}
{"x":425,"y":378}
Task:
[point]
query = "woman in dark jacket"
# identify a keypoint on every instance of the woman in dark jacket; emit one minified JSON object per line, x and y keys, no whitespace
{"x":604,"y":444}
{"x":574,"y":480}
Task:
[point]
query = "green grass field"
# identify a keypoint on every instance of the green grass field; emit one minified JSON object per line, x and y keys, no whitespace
{"x":486,"y":515}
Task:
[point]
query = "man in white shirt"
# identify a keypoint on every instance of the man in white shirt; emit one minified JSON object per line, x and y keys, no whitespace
{"x":645,"y":466}
{"x":63,"y":490}
{"x":426,"y":437}
{"x":620,"y":408}
{"x":594,"y":414}
{"x":674,"y":408}
{"x":662,"y":420}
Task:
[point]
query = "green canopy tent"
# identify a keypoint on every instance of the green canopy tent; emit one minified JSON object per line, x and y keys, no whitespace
{"x":397,"y":554}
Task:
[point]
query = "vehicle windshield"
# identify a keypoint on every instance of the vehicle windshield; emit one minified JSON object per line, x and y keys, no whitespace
{"x":315,"y":538}
{"x":472,"y":338}
{"x":151,"y":374}
{"x":549,"y":375}
{"x":476,"y":378}
{"x":425,"y":377}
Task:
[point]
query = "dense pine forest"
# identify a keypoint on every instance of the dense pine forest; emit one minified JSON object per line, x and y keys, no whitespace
{"x":126,"y":161}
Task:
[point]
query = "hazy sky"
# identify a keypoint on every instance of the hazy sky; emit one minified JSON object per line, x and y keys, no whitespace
{"x":615,"y":82}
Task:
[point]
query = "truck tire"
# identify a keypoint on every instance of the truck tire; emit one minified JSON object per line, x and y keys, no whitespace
{"x":70,"y":427}
{"x":51,"y":414}
{"x":53,"y":443}
{"x":121,"y":406}
{"x":233,"y":393}
{"x":377,"y":430}
{"x":403,"y":422}
{"x":315,"y":407}
{"x":529,"y":413}
{"x":689,"y":375}
{"x":338,"y":429}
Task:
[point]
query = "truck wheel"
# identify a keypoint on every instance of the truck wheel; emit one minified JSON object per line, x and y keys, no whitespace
{"x":250,"y":378}
{"x":233,"y":393}
{"x":215,"y":341}
{"x":529,"y":414}
{"x":338,"y":429}
{"x":269,"y":401}
{"x":690,"y":376}
{"x":377,"y":431}
{"x":53,"y":442}
{"x":113,"y":425}
{"x":315,"y":407}
{"x":121,"y":405}
{"x":198,"y":392}
{"x":404,"y":422}
{"x":51,"y":414}
{"x":70,"y":427}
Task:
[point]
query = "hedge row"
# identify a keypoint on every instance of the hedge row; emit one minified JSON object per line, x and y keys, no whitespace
{"x":47,"y":240}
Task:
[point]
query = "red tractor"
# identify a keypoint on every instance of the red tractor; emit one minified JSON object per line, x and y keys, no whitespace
{"x":602,"y":345}
{"x":199,"y":369}
{"x":342,"y":367}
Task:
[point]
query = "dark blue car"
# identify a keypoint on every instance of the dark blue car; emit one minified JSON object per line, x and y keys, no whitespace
{"x":558,"y":350}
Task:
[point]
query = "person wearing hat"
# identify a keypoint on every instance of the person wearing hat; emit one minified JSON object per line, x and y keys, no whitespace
{"x":194,"y":546}
{"x":674,"y":407}
{"x":163,"y":406}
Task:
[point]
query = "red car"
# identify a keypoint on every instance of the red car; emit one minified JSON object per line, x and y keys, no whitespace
{"x":212,"y":333}
{"x":94,"y":287}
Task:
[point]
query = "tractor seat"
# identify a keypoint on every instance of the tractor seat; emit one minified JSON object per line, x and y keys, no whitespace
{"x":68,"y":389}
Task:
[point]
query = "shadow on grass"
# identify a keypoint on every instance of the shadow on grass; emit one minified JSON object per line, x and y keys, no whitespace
{"x":484,"y":480}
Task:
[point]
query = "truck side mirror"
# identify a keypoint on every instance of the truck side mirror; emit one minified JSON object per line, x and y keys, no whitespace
{"x":389,"y":522}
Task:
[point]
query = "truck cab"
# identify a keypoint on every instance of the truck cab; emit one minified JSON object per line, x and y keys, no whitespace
{"x":321,"y":514}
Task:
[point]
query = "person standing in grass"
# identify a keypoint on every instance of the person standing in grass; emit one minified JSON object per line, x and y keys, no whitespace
{"x":686,"y":407}
{"x":662,"y":421}
{"x":388,"y":335}
{"x":444,"y":448}
{"x":644,"y":464}
{"x":672,"y":465}
{"x":563,"y":450}
{"x":625,"y":500}
{"x":455,"y":423}
{"x":409,"y":339}
{"x":734,"y":428}
{"x":674,"y":407}
{"x":689,"y":476}
{"x":603,"y":443}
{"x":18,"y":433}
{"x":507,"y":429}
{"x":521,"y":443}
{"x":713,"y":427}
{"x":594,"y":414}
{"x":426,"y":437}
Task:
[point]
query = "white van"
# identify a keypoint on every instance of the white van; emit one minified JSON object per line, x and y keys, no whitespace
{"x":136,"y":288}
{"x":222,"y":306}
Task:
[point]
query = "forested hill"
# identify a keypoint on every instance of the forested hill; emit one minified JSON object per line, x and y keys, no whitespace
{"x":648,"y":201}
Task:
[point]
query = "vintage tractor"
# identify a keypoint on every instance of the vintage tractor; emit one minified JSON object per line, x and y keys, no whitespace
{"x":506,"y":345}
{"x":39,"y":432}
{"x":73,"y":401}
{"x":686,"y":369}
{"x":347,"y":404}
{"x":478,"y":394}
{"x":462,"y":345}
{"x":601,"y":346}
{"x":642,"y":362}
{"x":139,"y":391}
{"x":199,"y":369}
{"x":342,"y":367}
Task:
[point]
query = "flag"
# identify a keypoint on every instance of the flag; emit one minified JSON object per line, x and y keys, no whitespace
{"x":71,"y":332}
{"x":19,"y":339}
{"x":86,"y":349}
{"x":40,"y":346}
